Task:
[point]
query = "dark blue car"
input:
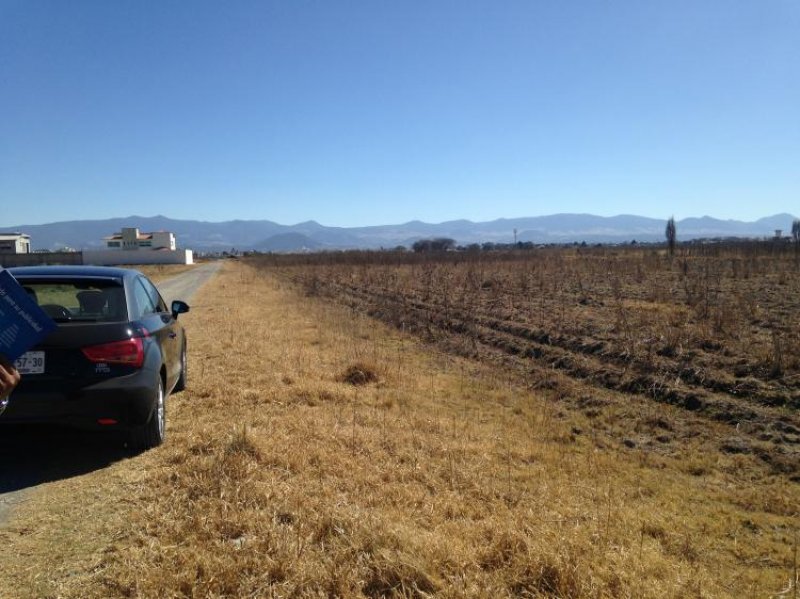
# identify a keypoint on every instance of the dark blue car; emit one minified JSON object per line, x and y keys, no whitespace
{"x":117,"y":353}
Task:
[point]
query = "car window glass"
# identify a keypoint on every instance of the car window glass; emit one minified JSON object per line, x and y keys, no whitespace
{"x":155,"y":296}
{"x":78,"y":299}
{"x":144,"y":299}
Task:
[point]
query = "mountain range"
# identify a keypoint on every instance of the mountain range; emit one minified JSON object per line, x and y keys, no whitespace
{"x":268,"y":236}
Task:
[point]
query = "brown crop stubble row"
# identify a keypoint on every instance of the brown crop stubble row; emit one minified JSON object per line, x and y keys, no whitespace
{"x":442,"y":477}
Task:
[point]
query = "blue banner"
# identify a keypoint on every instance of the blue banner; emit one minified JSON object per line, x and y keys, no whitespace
{"x":23,"y":324}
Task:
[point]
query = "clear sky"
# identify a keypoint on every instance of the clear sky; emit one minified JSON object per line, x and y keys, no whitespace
{"x":370,"y":112}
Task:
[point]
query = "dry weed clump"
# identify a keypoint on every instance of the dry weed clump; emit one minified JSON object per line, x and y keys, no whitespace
{"x":448,"y":478}
{"x":359,"y":374}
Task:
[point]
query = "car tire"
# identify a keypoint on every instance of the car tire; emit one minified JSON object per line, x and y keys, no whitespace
{"x":153,"y":432}
{"x":181,"y":384}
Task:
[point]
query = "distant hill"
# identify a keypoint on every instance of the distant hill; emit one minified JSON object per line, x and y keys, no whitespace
{"x":288,"y":242}
{"x":264,"y":235}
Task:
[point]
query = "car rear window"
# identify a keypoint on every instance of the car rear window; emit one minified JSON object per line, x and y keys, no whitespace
{"x":79,"y":300}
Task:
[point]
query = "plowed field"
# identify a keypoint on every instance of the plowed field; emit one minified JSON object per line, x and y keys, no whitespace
{"x":714,"y":331}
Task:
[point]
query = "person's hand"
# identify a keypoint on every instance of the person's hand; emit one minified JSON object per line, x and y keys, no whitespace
{"x":9,"y":377}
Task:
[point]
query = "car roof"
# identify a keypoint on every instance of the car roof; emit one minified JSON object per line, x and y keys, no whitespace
{"x":75,"y":271}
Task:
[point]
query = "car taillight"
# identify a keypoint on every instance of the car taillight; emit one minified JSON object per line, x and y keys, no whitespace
{"x":129,"y":352}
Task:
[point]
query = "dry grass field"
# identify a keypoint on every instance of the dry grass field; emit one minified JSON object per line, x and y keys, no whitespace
{"x":564,"y":426}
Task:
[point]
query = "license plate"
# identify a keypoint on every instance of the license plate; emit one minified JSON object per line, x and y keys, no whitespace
{"x":31,"y":362}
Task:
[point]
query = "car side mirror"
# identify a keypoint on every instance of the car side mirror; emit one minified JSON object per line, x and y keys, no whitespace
{"x":179,"y":307}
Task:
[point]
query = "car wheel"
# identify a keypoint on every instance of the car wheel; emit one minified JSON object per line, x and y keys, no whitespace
{"x":153,"y":432}
{"x":181,"y":384}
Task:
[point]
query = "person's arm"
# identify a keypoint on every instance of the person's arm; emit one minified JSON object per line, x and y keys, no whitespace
{"x":9,"y":377}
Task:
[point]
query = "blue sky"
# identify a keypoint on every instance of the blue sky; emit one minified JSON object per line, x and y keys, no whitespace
{"x":364,"y":112}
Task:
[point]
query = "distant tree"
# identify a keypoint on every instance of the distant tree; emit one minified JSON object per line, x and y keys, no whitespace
{"x":422,"y":245}
{"x":671,"y":234}
{"x":796,"y":231}
{"x":439,"y":244}
{"x":442,"y":244}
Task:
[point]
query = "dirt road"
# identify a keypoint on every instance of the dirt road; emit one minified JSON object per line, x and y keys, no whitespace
{"x":30,"y":456}
{"x":184,"y":286}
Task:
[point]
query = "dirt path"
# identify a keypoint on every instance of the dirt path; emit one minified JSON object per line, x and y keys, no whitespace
{"x":185,"y":285}
{"x":31,"y":456}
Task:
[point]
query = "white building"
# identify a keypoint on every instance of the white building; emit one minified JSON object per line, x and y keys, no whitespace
{"x":130,"y":246}
{"x":15,"y":243}
{"x":131,"y":239}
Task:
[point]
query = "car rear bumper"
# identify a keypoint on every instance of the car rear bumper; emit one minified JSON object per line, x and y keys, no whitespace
{"x":120,"y":402}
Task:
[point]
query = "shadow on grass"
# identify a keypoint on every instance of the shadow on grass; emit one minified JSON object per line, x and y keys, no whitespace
{"x":31,"y":455}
